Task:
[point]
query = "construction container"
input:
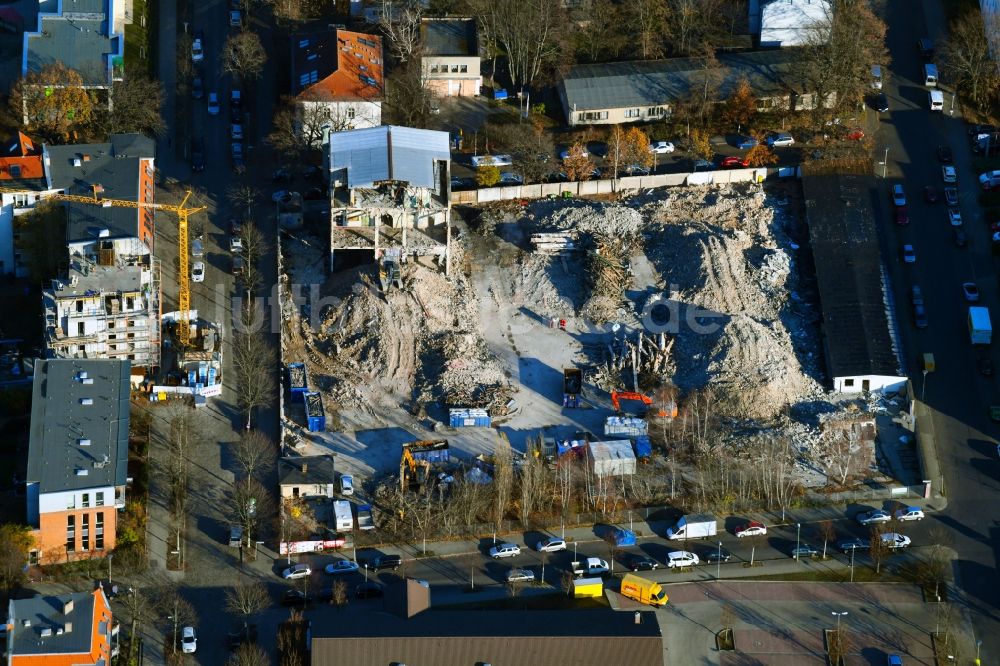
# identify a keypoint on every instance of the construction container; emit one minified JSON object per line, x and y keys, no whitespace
{"x":643,"y":447}
{"x":614,"y":458}
{"x":572,"y":387}
{"x":629,"y":426}
{"x":432,"y":451}
{"x":315,"y":418}
{"x":469,"y":418}
{"x":297,"y":382}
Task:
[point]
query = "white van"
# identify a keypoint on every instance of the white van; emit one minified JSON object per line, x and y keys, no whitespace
{"x":930,"y":75}
{"x":990,"y":179}
{"x":876,"y":77}
{"x":936,"y":98}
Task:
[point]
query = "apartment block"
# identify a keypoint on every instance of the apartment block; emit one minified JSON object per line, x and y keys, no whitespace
{"x":22,"y":179}
{"x":76,"y":629}
{"x":105,"y":311}
{"x":450,"y":60}
{"x":389,"y":190}
{"x":77,"y":457}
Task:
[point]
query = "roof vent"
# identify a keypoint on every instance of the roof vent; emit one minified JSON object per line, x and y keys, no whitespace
{"x":69,"y":627}
{"x":86,"y":401}
{"x":77,"y":162}
{"x":59,"y":631}
{"x":81,"y":375}
{"x":25,"y":622}
{"x":46,"y":632}
{"x":82,"y":472}
{"x":89,"y":381}
{"x":84,"y":442}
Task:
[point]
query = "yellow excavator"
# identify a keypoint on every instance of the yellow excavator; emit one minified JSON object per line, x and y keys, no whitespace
{"x":412,"y":472}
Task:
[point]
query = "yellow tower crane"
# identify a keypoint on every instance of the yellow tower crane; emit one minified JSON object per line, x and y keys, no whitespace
{"x":183,"y":330}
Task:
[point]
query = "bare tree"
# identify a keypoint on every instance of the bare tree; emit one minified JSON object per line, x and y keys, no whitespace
{"x":15,"y":542}
{"x":255,"y":246}
{"x":647,"y":23}
{"x":878,"y":549}
{"x":407,"y":98}
{"x":136,"y":106}
{"x":254,"y":451}
{"x":400,"y":23}
{"x":532,"y":486}
{"x":528,"y":32}
{"x":248,"y":654}
{"x":251,"y":506}
{"x":339,"y":596}
{"x":243,"y":55}
{"x":177,"y":611}
{"x":503,"y":480}
{"x":298,"y":126}
{"x":827,"y":532}
{"x":253,"y":362}
{"x":693,"y":25}
{"x":838,"y":644}
{"x":599,"y":35}
{"x":528,"y":144}
{"x":247,"y":600}
{"x":292,"y":640}
{"x":243,"y":194}
{"x":966,"y":60}
{"x":138,"y":610}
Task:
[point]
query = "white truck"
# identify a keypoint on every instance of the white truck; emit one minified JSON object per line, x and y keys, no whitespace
{"x":980,"y":329}
{"x":589,"y":567}
{"x":343,"y":516}
{"x":694,"y":526}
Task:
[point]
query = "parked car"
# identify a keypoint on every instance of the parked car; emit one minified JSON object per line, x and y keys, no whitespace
{"x":779,"y":139}
{"x":744,"y":142}
{"x":804,"y":551}
{"x":951,"y":196}
{"x":894,"y":660}
{"x":916,"y":295}
{"x":948,"y":174}
{"x":197,"y":154}
{"x":368,"y":590}
{"x":752,"y":528}
{"x":930,"y":194}
{"x":926,"y":47}
{"x":898,"y":196}
{"x":463,"y":184}
{"x":502,"y":550}
{"x":985,"y":364}
{"x":520,"y":576}
{"x":235,"y":102}
{"x":296,"y":571}
{"x":236,"y":131}
{"x":701,"y":165}
{"x":902,"y":216}
{"x":955,"y":217}
{"x":979,"y":128}
{"x":346,"y":484}
{"x":198,"y":272}
{"x":564,"y":153}
{"x":385,"y":562}
{"x":341,"y":567}
{"x":944,"y":154}
{"x":281,"y":175}
{"x":197,"y":85}
{"x":197,"y":46}
{"x":213,"y":104}
{"x":237,"y":155}
{"x":641,"y":563}
{"x":849,"y":545}
{"x":880,"y":102}
{"x":874,"y":516}
{"x":197,"y":248}
{"x":235,"y":18}
{"x":550,"y":545}
{"x":681,"y":558}
{"x":661,"y":147}
{"x":238,"y":264}
{"x":909,"y":513}
{"x":510,"y":178}
{"x":970,"y":290}
{"x":236,"y":245}
{"x":189,"y":641}
{"x":920,"y":316}
{"x":893,"y":540}
{"x":909,"y":254}
{"x":295,"y":597}
{"x":733,"y":162}
{"x":713,"y":555}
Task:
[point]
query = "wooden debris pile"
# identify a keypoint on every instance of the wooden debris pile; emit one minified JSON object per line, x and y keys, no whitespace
{"x":640,"y":361}
{"x":609,"y":274}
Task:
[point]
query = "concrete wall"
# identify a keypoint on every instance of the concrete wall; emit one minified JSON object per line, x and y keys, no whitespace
{"x":629,"y":183}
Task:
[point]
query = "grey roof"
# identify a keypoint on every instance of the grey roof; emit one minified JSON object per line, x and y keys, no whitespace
{"x":115,"y":166}
{"x":80,"y":40}
{"x":389,"y":152}
{"x":59,"y":421}
{"x":460,"y":638}
{"x":47,"y":613}
{"x":658,"y":82}
{"x":318,"y":470}
{"x":449,"y":37}
{"x":85,"y":277}
{"x":845,"y":249}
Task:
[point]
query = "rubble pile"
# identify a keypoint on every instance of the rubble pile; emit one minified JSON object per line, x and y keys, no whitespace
{"x":472,"y":375}
{"x":607,"y":271}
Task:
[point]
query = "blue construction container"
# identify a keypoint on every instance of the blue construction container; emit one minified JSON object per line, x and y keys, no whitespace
{"x":466,"y":418}
{"x":315,"y":418}
{"x":500,"y":93}
{"x":297,"y":381}
{"x":643,"y":447}
{"x":623,"y":537}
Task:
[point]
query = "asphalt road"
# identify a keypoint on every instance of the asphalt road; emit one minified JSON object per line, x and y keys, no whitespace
{"x":956,"y":393}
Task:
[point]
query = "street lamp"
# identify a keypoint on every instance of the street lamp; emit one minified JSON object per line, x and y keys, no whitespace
{"x":718,"y":564}
{"x":885,"y":161}
{"x":798,"y":533}
{"x":839,"y":615}
{"x":852,"y":564}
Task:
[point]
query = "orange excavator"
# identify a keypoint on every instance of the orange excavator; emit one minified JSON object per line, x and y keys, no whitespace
{"x":669,"y":409}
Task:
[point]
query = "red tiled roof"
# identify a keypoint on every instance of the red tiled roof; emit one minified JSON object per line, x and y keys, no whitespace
{"x":359,"y":70}
{"x":22,"y":154}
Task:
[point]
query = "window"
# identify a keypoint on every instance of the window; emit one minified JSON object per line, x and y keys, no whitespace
{"x":848,"y":383}
{"x":85,"y":532}
{"x":464,"y":69}
{"x":295,"y":491}
{"x":111,"y":336}
{"x":111,"y":323}
{"x":631,"y":113}
{"x":33,"y":557}
{"x":130,"y":302}
{"x":71,"y":504}
{"x":86,"y":502}
{"x":99,"y":531}
{"x":657,"y":111}
{"x":80,"y":348}
{"x":70,"y":534}
{"x":434,"y":69}
{"x":99,"y":499}
{"x":79,"y":306}
{"x":454,"y":69}
{"x":593,"y":115}
{"x":21,"y":200}
{"x":80,"y":330}
{"x":350,"y":113}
